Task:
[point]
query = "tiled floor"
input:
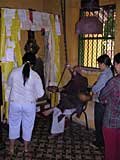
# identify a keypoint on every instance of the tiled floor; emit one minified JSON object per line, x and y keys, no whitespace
{"x":74,"y":144}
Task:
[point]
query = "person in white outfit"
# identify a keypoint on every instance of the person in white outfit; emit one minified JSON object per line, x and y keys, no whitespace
{"x":25,"y":88}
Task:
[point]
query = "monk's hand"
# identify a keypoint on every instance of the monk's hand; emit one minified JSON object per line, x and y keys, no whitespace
{"x":85,"y":97}
{"x":53,"y":89}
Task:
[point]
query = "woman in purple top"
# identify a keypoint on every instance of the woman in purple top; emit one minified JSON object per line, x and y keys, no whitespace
{"x":110,"y":96}
{"x":106,"y":74}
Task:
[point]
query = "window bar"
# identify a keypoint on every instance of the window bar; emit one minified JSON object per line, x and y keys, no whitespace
{"x":93,"y":40}
{"x":112,"y":32}
{"x":81,"y":45}
{"x":111,"y":50}
{"x":108,"y":29}
{"x":92,"y":54}
{"x":92,"y":48}
{"x":88,"y":46}
{"x":97,"y":46}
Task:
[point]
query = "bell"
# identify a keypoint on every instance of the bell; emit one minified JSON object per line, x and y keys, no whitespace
{"x":89,"y":25}
{"x":89,"y":4}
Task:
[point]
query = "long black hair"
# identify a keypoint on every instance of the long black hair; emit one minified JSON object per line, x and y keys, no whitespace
{"x":28,"y":60}
{"x":104,"y":59}
{"x":117,"y":58}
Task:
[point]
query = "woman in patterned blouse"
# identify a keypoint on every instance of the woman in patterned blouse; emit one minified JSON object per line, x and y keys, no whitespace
{"x":110,"y":96}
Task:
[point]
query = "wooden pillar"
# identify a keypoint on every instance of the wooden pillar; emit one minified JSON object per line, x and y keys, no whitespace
{"x":72,"y":16}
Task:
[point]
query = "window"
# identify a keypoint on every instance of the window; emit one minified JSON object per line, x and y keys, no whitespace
{"x":92,"y":46}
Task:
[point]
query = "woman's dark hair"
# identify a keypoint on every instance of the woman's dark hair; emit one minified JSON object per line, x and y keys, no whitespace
{"x":28,"y":59}
{"x":104,"y":59}
{"x":117,"y":58}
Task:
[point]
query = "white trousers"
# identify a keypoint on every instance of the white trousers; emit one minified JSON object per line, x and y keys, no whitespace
{"x":58,"y":127}
{"x":21,"y":113}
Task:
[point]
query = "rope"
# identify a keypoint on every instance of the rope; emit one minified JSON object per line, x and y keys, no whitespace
{"x":63,"y":13}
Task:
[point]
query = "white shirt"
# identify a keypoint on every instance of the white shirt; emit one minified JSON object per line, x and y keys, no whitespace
{"x":29,"y":93}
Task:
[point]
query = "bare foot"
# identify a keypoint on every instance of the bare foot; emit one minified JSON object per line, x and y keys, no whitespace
{"x":9,"y":154}
{"x":76,"y":119}
{"x":27,"y":155}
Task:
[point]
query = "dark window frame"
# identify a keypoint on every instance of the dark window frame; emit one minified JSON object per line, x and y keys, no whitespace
{"x":108,"y":34}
